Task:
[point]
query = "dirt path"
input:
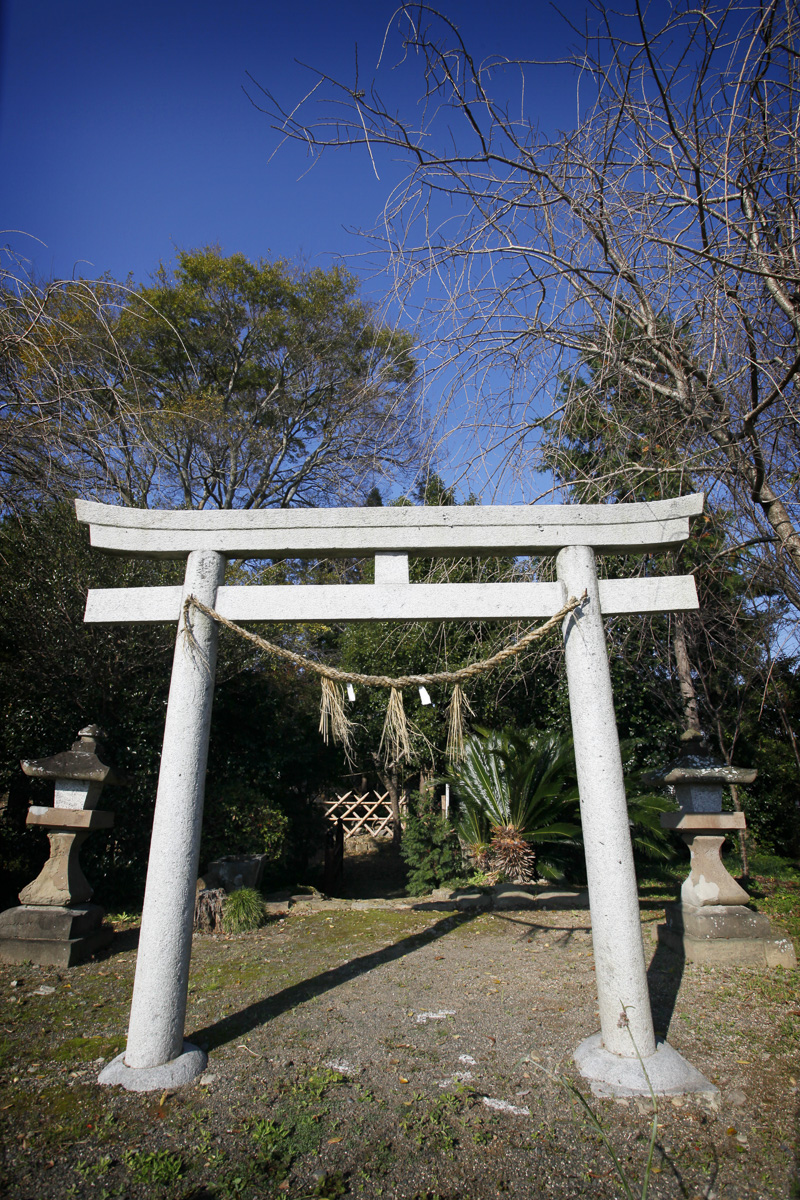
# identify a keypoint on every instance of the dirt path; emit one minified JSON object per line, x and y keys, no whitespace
{"x":394,"y":1054}
{"x":372,"y":869}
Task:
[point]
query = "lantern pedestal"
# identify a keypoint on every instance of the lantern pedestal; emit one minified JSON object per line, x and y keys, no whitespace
{"x":55,"y":925}
{"x":52,"y":936}
{"x":711,"y":924}
{"x":720,"y":935}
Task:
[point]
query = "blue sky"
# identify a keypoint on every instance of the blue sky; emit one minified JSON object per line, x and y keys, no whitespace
{"x":125,"y":134}
{"x":124,"y":130}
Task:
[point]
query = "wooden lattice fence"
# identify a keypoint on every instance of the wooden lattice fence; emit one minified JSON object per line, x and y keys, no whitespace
{"x":367,"y":812}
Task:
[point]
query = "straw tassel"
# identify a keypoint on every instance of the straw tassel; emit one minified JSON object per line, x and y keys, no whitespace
{"x":395,"y":729}
{"x":455,"y":724}
{"x":333,"y":719}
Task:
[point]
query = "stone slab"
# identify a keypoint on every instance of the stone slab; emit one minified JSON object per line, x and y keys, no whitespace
{"x":47,"y":952}
{"x":512,"y":895}
{"x":666,"y":1072}
{"x":50,"y":922}
{"x":238,"y":872}
{"x":718,"y":921}
{"x":69,"y":818}
{"x":730,"y":952}
{"x":174,"y":1074}
{"x":696,"y":822}
{"x":563,"y":899}
{"x":391,"y":601}
{"x":471,"y":900}
{"x":690,"y":774}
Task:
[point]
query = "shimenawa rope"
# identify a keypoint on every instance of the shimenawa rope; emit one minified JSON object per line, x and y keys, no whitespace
{"x":334,"y":720}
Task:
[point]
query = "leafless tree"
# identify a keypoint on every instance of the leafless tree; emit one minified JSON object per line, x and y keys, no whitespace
{"x":37,"y":382}
{"x":659,"y":238}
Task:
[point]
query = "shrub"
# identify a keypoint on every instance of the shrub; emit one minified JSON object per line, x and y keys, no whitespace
{"x":430,"y":849}
{"x":516,"y":803}
{"x":240,"y":820}
{"x":242,"y":911}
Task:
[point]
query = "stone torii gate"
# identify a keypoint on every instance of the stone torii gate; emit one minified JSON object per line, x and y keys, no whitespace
{"x":156,"y":1055}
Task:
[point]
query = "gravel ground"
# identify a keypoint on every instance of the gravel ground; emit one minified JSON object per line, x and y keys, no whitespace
{"x":395,"y":1054}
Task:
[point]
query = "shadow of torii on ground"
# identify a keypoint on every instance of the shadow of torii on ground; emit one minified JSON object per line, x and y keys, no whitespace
{"x":262,"y":1011}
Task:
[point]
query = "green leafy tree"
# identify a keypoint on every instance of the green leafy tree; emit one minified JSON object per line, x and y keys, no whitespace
{"x":721,"y":659}
{"x":266,"y":759}
{"x":507,"y":695}
{"x":224,"y":383}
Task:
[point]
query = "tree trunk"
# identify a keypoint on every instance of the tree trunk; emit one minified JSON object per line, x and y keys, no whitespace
{"x":691,"y":715}
{"x":737,"y":804}
{"x":789,"y":733}
{"x":391,"y":784}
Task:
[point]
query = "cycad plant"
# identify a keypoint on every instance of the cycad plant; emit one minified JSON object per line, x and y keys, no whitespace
{"x":516,"y":802}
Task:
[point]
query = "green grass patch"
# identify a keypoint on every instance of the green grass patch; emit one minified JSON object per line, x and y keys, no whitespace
{"x":86,"y":1049}
{"x":155,"y":1168}
{"x":243,"y":911}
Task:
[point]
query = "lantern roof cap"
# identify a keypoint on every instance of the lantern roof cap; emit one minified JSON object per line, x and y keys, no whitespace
{"x":697,"y":763}
{"x":84,"y":761}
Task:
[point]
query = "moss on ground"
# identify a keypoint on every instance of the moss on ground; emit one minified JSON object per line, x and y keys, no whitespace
{"x":351,"y":1054}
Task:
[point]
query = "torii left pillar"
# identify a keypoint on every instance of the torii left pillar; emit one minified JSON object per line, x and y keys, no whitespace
{"x":156,"y":1054}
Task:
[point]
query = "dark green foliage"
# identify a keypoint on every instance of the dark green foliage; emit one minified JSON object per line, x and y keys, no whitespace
{"x":239,"y":819}
{"x":626,"y":444}
{"x":57,"y":674}
{"x":430,"y":849}
{"x":521,"y":781}
{"x":508,"y":695}
{"x":525,"y":782}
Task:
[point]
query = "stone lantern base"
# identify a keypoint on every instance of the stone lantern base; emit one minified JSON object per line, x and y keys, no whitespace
{"x":56,"y":926}
{"x":711,"y":924}
{"x":52,"y":936}
{"x":720,"y":935}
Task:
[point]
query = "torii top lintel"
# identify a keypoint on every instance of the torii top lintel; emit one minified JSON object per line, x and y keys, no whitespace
{"x":345,"y":532}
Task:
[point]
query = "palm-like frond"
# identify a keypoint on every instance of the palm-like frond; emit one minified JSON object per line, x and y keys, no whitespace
{"x":508,"y":778}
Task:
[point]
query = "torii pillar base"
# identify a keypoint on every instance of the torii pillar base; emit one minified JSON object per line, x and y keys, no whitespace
{"x":666,"y":1073}
{"x":179,"y":1071}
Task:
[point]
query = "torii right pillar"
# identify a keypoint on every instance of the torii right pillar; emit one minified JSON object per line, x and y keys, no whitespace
{"x":624,"y":1058}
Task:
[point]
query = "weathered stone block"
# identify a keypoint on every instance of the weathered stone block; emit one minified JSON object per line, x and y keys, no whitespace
{"x":730,"y":952}
{"x":53,"y":953}
{"x":471,"y":900}
{"x":513,"y":895}
{"x":49,"y":922}
{"x":61,"y":881}
{"x":234,"y":873}
{"x":718,"y":921}
{"x":563,"y":899}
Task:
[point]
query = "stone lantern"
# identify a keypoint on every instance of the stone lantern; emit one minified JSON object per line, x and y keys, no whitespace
{"x":711,"y":923}
{"x":55,"y":924}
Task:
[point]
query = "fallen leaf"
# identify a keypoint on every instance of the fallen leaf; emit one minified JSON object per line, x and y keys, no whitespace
{"x":333,"y":1141}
